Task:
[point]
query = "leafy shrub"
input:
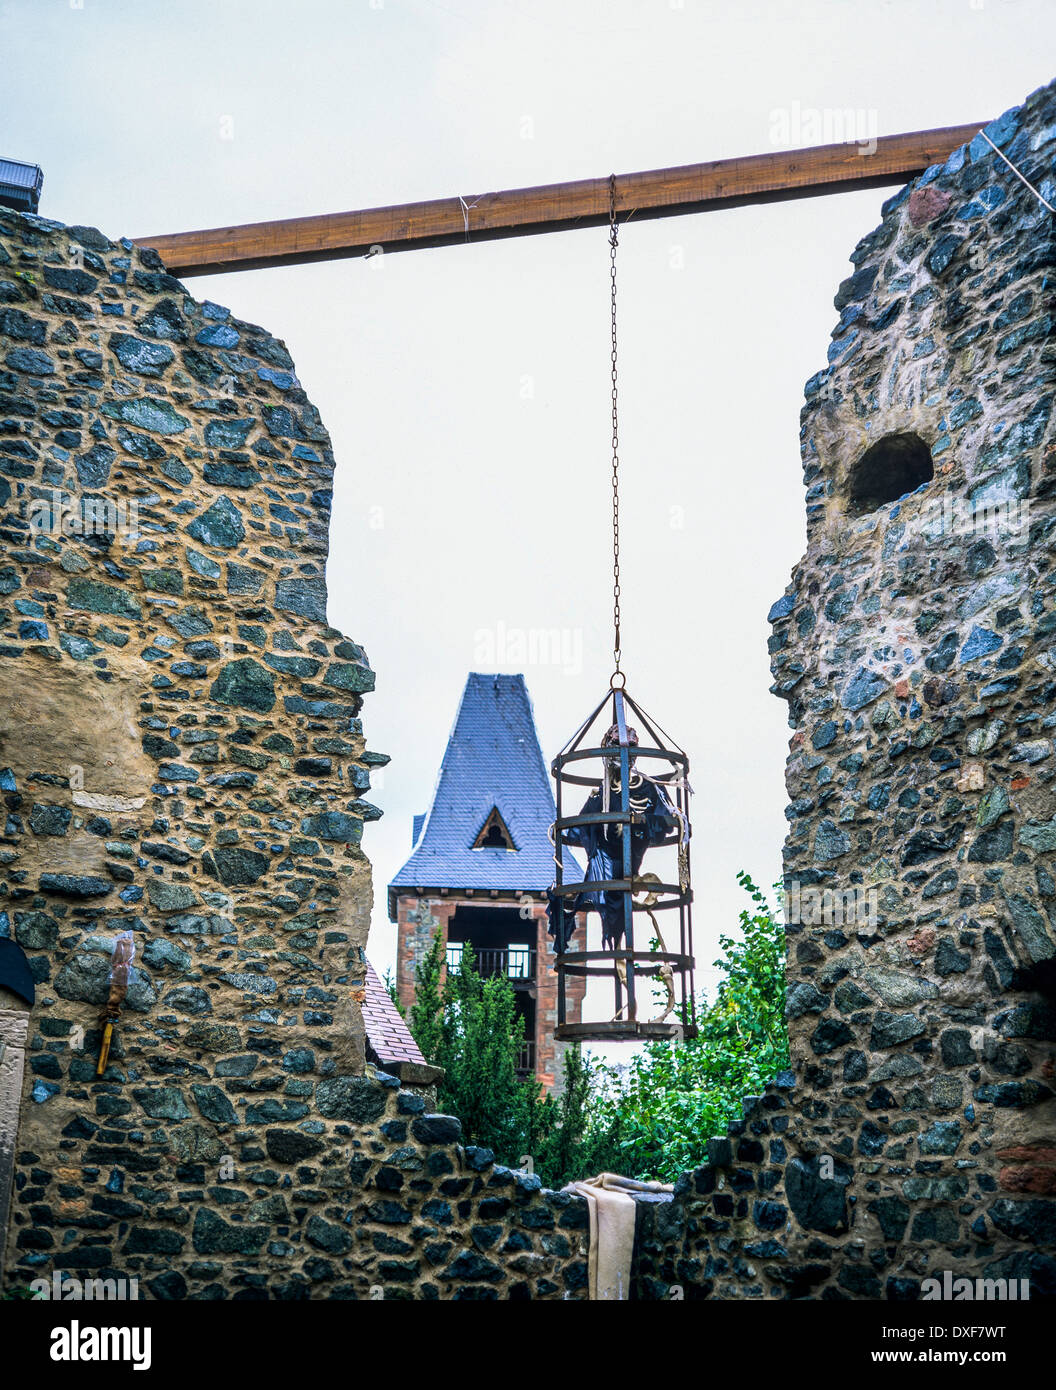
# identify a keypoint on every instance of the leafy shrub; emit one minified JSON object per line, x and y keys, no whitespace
{"x":673,"y":1097}
{"x":649,"y":1119}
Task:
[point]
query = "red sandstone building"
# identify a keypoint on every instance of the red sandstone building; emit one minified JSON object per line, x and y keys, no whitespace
{"x":482,"y":861}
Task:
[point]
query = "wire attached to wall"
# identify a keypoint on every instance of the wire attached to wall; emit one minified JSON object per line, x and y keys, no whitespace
{"x":1018,"y":173}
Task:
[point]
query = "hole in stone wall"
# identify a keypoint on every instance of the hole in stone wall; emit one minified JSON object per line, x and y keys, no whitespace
{"x":889,"y":469}
{"x":1038,"y":978}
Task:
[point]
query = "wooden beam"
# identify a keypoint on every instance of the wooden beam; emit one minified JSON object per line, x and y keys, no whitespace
{"x":722,"y":183}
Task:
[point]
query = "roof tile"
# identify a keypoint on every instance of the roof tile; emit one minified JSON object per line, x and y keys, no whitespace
{"x":389,"y":1037}
{"x":493,"y":759}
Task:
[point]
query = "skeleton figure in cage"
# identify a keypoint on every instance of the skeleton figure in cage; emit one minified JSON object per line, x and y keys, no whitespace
{"x":664,"y":970}
{"x":655,"y":818}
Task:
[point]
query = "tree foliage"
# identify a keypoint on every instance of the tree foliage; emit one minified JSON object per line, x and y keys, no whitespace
{"x":469,"y":1026}
{"x":674,"y":1096}
{"x":579,"y":1140}
{"x":648,"y":1119}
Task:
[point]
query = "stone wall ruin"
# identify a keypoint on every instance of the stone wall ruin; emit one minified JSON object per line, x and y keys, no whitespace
{"x":181,"y":756}
{"x":915,"y":648}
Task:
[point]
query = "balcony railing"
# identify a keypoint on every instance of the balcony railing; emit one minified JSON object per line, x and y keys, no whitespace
{"x":525,"y":1059}
{"x":515,"y":962}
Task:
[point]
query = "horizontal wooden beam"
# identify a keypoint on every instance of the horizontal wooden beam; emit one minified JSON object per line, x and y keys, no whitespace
{"x":722,"y":183}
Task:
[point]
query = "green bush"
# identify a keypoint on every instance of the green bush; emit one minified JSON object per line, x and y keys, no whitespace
{"x":650,"y":1119}
{"x":674,"y":1096}
{"x":580,"y":1138}
{"x":470,"y":1027}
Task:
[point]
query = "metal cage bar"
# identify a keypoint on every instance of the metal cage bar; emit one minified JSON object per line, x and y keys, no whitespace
{"x":635,"y":964}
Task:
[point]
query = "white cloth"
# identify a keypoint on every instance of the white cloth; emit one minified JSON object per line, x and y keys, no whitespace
{"x":612,"y":1209}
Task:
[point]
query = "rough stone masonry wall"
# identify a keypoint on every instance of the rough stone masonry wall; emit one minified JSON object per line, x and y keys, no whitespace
{"x":919,"y":1130}
{"x":181,"y":756}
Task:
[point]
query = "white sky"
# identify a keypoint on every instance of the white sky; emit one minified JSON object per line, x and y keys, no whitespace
{"x":467,"y":388}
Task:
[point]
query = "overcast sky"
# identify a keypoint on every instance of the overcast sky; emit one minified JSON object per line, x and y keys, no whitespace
{"x":467,"y":388}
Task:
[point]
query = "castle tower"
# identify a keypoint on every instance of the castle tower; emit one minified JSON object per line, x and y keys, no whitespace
{"x":482,"y":862}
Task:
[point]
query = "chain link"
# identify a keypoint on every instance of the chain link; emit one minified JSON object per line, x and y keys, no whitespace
{"x":614,"y":232}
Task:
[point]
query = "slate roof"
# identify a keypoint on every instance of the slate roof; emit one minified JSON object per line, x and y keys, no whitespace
{"x":493,"y":759}
{"x":19,"y":175}
{"x":20,"y":185}
{"x":388,"y":1035}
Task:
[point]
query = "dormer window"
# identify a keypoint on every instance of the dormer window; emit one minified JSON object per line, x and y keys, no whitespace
{"x":494,"y":833}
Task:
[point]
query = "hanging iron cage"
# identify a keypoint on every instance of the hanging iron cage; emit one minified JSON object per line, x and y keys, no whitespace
{"x":638,"y":805}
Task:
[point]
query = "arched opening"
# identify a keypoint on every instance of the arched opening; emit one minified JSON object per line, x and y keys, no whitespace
{"x":891,"y":468}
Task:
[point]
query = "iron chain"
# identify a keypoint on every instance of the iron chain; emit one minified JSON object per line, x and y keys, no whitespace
{"x":614,"y":232}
